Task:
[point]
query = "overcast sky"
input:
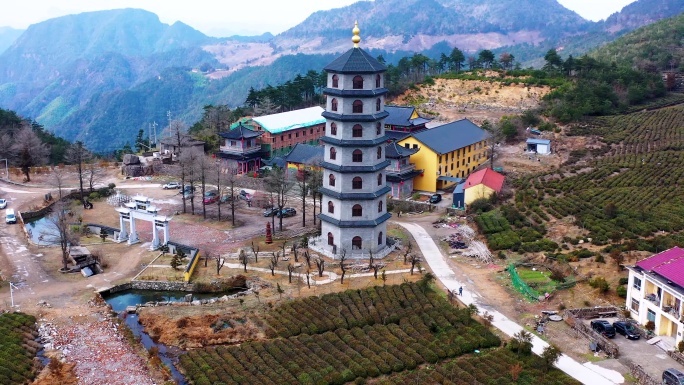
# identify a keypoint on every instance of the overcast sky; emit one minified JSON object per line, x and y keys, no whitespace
{"x":224,"y":18}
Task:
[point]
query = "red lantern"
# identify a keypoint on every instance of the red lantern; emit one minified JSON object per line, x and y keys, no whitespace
{"x":255,"y":174}
{"x":421,"y":174}
{"x":402,"y":182}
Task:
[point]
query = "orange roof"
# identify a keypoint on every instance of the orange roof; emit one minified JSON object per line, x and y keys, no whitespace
{"x":488,"y":177}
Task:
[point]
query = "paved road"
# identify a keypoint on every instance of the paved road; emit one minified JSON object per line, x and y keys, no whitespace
{"x":587,"y":374}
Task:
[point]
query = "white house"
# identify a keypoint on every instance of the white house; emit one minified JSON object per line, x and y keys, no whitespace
{"x":656,"y":291}
{"x":540,"y":146}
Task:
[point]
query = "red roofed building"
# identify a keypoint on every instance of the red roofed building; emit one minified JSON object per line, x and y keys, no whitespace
{"x":482,"y":184}
{"x":655,"y":293}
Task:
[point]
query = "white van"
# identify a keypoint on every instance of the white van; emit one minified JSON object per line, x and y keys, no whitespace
{"x":10,"y":217}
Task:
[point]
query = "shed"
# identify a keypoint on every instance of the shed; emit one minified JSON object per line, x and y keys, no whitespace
{"x":459,"y":196}
{"x":540,"y":146}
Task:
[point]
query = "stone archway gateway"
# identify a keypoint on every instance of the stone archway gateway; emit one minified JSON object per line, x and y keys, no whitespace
{"x":141,"y":208}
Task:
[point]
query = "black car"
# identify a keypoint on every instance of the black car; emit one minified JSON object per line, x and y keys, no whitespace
{"x":603,"y":327}
{"x":436,"y":198}
{"x":287,"y":212}
{"x":271,"y":211}
{"x":673,"y":377}
{"x":244,"y":195}
{"x":627,"y":329}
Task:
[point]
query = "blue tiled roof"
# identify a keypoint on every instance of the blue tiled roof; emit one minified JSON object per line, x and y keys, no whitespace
{"x":240,"y":132}
{"x":355,"y":61}
{"x":451,"y":136}
{"x":394,"y":151}
{"x":304,"y":153}
{"x":538,"y":141}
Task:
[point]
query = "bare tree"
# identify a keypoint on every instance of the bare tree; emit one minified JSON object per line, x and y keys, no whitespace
{"x":279,"y":184}
{"x":93,"y":174}
{"x":203,"y":170}
{"x":415,"y":260}
{"x":225,"y":182}
{"x":496,"y":135}
{"x":375,"y":268}
{"x":243,"y":259}
{"x":295,"y":251}
{"x":57,"y":180}
{"x":59,"y":231}
{"x":304,"y":185}
{"x":407,"y":251}
{"x":308,"y":278}
{"x":28,"y":151}
{"x":187,"y":160}
{"x":371,"y":258}
{"x":290,"y":270}
{"x":255,"y":251}
{"x":78,"y":155}
{"x":320,"y":265}
{"x":273,"y":263}
{"x":307,"y":258}
{"x":315,"y":183}
{"x":343,"y":266}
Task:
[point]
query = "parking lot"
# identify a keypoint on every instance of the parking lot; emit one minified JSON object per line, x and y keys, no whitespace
{"x":650,"y":357}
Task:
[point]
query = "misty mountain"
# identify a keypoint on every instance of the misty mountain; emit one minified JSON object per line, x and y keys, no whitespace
{"x":101,"y":76}
{"x":8,"y":36}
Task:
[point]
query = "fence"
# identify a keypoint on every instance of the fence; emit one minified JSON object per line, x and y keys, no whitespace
{"x":641,"y":376}
{"x":573,"y":317}
{"x":521,"y":286}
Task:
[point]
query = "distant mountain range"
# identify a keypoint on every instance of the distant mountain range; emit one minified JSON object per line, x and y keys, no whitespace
{"x":8,"y":36}
{"x":101,"y":76}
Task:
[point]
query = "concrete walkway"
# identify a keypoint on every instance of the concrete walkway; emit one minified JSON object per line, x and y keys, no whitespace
{"x":587,"y":374}
{"x":331,"y":277}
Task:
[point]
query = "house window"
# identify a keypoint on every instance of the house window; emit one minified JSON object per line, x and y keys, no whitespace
{"x":357,"y":156}
{"x":357,"y":83}
{"x":379,"y":152}
{"x":637,"y":283}
{"x":377,"y":104}
{"x":415,"y":146}
{"x":380,"y":238}
{"x":440,"y":159}
{"x":650,"y":315}
{"x":296,"y":134}
{"x":452,"y":167}
{"x":357,"y":183}
{"x":378,"y":128}
{"x":331,"y":240}
{"x":333,"y":129}
{"x":407,"y":145}
{"x":331,"y":207}
{"x":357,"y":211}
{"x":331,"y":180}
{"x":311,"y":131}
{"x":289,"y":136}
{"x":379,"y":179}
{"x":335,"y":81}
{"x":333,"y":104}
{"x":282,"y":138}
{"x":357,"y":131}
{"x":356,"y":243}
{"x":377,"y":81}
{"x":233,"y":143}
{"x":380,"y":206}
{"x":635,"y":305}
{"x":357,"y":107}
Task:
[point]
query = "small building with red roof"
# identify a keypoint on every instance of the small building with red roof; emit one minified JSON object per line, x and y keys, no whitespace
{"x":655,"y":292}
{"x":482,"y":184}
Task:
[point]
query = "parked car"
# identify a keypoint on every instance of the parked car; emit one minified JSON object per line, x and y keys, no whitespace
{"x":627,"y":329}
{"x":225,"y":198}
{"x":10,"y":217}
{"x":604,"y":327}
{"x":210,"y":196}
{"x":673,"y":377}
{"x":286,"y":212}
{"x":271,"y":211}
{"x":3,"y":203}
{"x":171,"y":186}
{"x":244,"y":195}
{"x":435,"y":198}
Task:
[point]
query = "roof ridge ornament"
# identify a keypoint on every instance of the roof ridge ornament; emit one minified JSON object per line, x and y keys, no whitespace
{"x":356,"y":38}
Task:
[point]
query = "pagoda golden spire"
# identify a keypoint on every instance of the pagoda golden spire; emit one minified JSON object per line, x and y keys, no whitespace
{"x":356,"y":38}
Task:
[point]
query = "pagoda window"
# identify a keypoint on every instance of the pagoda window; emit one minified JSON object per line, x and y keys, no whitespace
{"x":356,"y":243}
{"x":357,"y":82}
{"x":333,"y":104}
{"x":333,"y":129}
{"x":357,"y":211}
{"x":378,"y":128}
{"x":357,"y":107}
{"x":331,"y":240}
{"x":380,"y":238}
{"x":357,"y":156}
{"x":379,"y":152}
{"x":377,"y":81}
{"x":357,"y":183}
{"x":378,"y":104}
{"x":331,"y":180}
{"x":331,"y":207}
{"x":333,"y":153}
{"x":335,"y":81}
{"x":357,"y":131}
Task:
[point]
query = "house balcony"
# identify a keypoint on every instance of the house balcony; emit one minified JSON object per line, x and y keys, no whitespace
{"x":240,"y":150}
{"x":401,"y":170}
{"x":653,"y":297}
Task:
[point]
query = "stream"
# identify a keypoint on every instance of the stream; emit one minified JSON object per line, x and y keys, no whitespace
{"x":122,"y":299}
